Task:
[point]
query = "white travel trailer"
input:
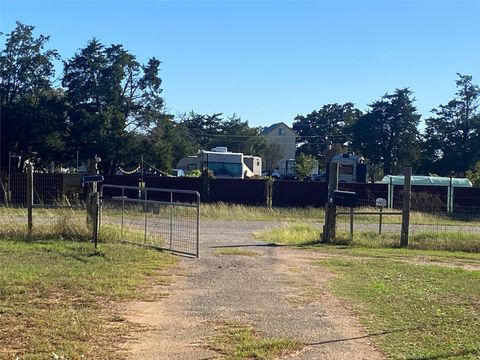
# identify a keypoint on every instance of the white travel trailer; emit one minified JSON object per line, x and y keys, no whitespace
{"x":222,"y":163}
{"x":351,"y":168}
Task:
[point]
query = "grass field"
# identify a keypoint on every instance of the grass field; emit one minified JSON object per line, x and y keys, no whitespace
{"x":305,"y":234}
{"x":60,"y":299}
{"x":222,"y":211}
{"x":417,"y":311}
{"x":418,"y":303}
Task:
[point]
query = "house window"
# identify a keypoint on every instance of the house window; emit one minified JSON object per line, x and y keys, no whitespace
{"x":281,"y":131}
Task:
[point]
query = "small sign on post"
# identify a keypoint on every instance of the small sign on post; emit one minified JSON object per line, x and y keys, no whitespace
{"x":90,"y":179}
{"x":381,"y":203}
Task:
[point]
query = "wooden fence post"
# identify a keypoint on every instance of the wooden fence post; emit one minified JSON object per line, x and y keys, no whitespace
{"x":330,"y":208}
{"x":406,"y":206}
{"x":30,"y":198}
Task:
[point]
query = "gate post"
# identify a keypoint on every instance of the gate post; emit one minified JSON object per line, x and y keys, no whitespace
{"x":330,"y":208}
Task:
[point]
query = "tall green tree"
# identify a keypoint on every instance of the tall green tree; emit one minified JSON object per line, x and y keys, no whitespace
{"x":109,"y":94}
{"x":474,"y":174}
{"x":452,"y":135}
{"x":205,"y":131}
{"x":304,"y":164}
{"x":31,"y":116}
{"x":327,"y":128}
{"x":388,"y":133}
{"x":208,"y":131}
{"x":271,"y":155}
{"x":240,"y":137}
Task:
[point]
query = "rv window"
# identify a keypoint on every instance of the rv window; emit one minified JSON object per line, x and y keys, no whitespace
{"x":192,"y":167}
{"x":225,"y":169}
{"x":345,"y":169}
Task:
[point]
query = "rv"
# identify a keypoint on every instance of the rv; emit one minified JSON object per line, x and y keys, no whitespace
{"x":351,"y":168}
{"x":222,"y":163}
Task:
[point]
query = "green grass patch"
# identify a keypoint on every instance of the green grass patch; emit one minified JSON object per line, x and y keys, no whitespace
{"x":59,"y":297}
{"x":222,"y":211}
{"x":305,"y":234}
{"x":242,"y":342}
{"x":290,"y":234}
{"x":419,"y":312}
{"x":235,"y":251}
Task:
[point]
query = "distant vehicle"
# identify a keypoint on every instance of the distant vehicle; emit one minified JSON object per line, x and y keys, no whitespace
{"x":178,"y":172}
{"x":222,"y":163}
{"x":274,"y":174}
{"x":351,"y":168}
{"x":317,"y":177}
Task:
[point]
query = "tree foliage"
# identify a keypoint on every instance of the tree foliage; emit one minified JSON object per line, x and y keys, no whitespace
{"x":109,"y":93}
{"x":209,"y":131}
{"x":474,"y":174}
{"x":388,"y":133}
{"x":271,"y":154}
{"x":31,"y":111}
{"x":304,"y":165}
{"x":111,"y":104}
{"x":327,"y":128}
{"x":452,"y":136}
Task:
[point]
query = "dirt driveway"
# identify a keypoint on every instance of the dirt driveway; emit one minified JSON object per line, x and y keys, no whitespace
{"x":279,"y":293}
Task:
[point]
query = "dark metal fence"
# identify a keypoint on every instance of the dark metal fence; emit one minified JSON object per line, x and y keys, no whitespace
{"x":238,"y":191}
{"x":58,"y":188}
{"x":299,"y":194}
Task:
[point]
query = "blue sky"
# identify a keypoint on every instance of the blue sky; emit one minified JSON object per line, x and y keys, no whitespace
{"x":268,"y":61}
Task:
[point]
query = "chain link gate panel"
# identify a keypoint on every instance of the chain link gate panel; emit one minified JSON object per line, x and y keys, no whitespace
{"x":166,"y":219}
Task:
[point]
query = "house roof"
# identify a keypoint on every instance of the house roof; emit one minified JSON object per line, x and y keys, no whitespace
{"x":271,"y":128}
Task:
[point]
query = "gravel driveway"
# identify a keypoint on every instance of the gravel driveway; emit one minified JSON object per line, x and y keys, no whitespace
{"x":279,"y":293}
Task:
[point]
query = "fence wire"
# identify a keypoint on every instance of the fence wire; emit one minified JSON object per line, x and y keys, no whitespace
{"x":462,"y":221}
{"x":170,"y":225}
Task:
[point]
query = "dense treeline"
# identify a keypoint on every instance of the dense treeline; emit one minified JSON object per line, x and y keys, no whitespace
{"x":106,"y":102}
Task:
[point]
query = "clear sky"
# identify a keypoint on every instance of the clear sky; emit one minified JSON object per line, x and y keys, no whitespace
{"x":268,"y":61}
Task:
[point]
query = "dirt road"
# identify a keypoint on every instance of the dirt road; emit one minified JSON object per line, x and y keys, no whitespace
{"x":277,"y":292}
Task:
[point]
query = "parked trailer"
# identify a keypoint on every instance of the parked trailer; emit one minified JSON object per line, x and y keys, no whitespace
{"x":351,"y":168}
{"x":223,"y":164}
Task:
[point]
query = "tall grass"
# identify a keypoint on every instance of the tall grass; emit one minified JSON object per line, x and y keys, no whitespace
{"x":292,"y":234}
{"x":306,"y":234}
{"x":222,"y":211}
{"x":59,"y":223}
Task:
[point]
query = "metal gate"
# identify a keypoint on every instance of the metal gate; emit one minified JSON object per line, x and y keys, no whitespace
{"x":165,"y":219}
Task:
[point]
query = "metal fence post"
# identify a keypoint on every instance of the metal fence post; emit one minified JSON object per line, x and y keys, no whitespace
{"x":380,"y":222}
{"x":96,"y":201}
{"x":30,"y":198}
{"x":351,"y":224}
{"x":145,"y":208}
{"x":123,"y":211}
{"x":171,"y":220}
{"x":406,"y":206}
{"x":198,"y":225}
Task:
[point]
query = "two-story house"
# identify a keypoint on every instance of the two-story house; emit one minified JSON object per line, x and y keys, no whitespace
{"x":283,"y":136}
